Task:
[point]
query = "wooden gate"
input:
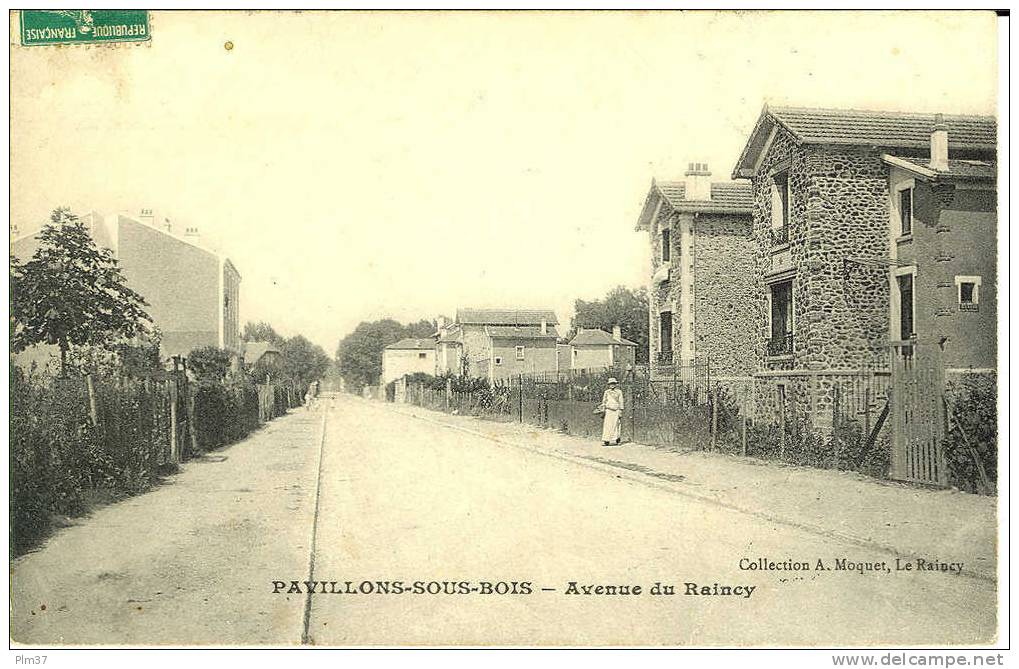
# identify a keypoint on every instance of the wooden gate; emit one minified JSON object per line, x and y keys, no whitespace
{"x":918,"y":413}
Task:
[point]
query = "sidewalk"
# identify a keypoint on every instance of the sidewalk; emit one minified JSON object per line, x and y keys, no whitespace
{"x":944,"y":525}
{"x":189,"y":562}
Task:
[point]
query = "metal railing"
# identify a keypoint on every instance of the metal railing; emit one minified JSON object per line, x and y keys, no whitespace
{"x":781,"y":345}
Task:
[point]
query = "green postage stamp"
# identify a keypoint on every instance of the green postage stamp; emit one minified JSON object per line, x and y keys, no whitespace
{"x":83,"y":26}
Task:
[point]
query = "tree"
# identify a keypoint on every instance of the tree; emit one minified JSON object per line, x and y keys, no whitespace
{"x":303,"y":362}
{"x":359,"y":354}
{"x":209,"y":363}
{"x":262,"y":331}
{"x":624,"y":307}
{"x":72,"y":293}
{"x":423,"y":328}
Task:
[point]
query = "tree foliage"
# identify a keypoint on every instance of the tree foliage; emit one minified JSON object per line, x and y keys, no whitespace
{"x":303,"y":361}
{"x":209,"y":363}
{"x":72,"y":293}
{"x":624,"y":307}
{"x":262,"y":331}
{"x":359,"y":354}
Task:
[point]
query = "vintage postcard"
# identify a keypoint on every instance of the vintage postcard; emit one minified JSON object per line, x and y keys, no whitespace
{"x":506,"y":329}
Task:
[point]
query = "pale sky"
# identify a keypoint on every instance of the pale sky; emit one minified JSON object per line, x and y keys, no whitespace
{"x":355,"y":166}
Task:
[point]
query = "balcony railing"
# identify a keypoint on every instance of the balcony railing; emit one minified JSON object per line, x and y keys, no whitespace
{"x":781,"y":345}
{"x":664,"y":357}
{"x":780,"y":235}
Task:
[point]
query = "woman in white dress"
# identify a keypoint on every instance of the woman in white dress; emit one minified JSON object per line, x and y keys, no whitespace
{"x":612,"y":405}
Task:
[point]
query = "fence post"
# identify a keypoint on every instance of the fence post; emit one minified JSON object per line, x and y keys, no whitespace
{"x":174,"y":453}
{"x":835,"y":422}
{"x":781,"y":421}
{"x":866,"y":411}
{"x":712,"y":395}
{"x":93,"y":412}
{"x":743,"y":431}
{"x":520,"y":397}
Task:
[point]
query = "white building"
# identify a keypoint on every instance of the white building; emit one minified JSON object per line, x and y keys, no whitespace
{"x":408,"y":356}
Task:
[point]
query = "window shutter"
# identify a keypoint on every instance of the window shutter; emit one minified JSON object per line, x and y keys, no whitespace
{"x":776,"y":207}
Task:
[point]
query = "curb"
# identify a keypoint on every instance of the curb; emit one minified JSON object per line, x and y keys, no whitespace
{"x":644,"y":479}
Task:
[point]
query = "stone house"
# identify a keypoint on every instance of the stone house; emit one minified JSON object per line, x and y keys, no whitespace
{"x":407,"y":356}
{"x":594,"y":348}
{"x":497,"y":343}
{"x":700,"y":288}
{"x":193,"y":292}
{"x":830,"y":245}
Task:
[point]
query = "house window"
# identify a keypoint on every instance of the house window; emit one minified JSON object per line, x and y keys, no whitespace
{"x":520,"y":352}
{"x":968,"y":292}
{"x":780,"y":208}
{"x":666,"y":245}
{"x":781,"y":339}
{"x":665,"y":337}
{"x":906,"y":211}
{"x":906,"y":306}
{"x":498,"y":360}
{"x":422,"y":356}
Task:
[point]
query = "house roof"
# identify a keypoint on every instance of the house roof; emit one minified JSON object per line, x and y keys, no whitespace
{"x":412,"y":344}
{"x":506,"y":316}
{"x":598,"y":338}
{"x":520,"y":332}
{"x":727,"y":197}
{"x":863,"y":128}
{"x":961,"y":170}
{"x":254,"y":350}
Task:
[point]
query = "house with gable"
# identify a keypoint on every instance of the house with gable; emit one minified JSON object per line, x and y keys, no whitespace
{"x":869,"y":227}
{"x":700,"y":287}
{"x":595,"y":348}
{"x":497,"y":344}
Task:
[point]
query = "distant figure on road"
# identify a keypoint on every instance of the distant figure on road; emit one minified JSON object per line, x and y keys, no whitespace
{"x":612,"y":405}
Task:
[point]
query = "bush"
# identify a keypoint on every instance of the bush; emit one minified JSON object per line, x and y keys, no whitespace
{"x":61,"y":463}
{"x":972,"y":432}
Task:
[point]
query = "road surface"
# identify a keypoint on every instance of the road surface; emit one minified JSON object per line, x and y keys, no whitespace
{"x":367,"y":501}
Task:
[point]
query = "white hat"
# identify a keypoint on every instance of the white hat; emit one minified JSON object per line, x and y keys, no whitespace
{"x":612,"y":380}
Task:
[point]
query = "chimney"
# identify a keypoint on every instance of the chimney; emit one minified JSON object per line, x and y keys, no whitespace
{"x":698,"y":182}
{"x":191,"y":235}
{"x":167,"y":225}
{"x":617,"y":332}
{"x":15,"y":231}
{"x":440,"y":323}
{"x":544,"y":326}
{"x":146,"y":216}
{"x":939,"y":144}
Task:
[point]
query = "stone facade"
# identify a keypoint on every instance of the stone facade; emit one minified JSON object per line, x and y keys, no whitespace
{"x":708,"y":292}
{"x":723,"y":294}
{"x":838,"y":210}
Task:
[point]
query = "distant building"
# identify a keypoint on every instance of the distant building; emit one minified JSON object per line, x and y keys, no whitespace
{"x":592,"y":348}
{"x":498,"y":343}
{"x":700,"y":298}
{"x":260,"y":351}
{"x":193,"y":293}
{"x":408,"y":356}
